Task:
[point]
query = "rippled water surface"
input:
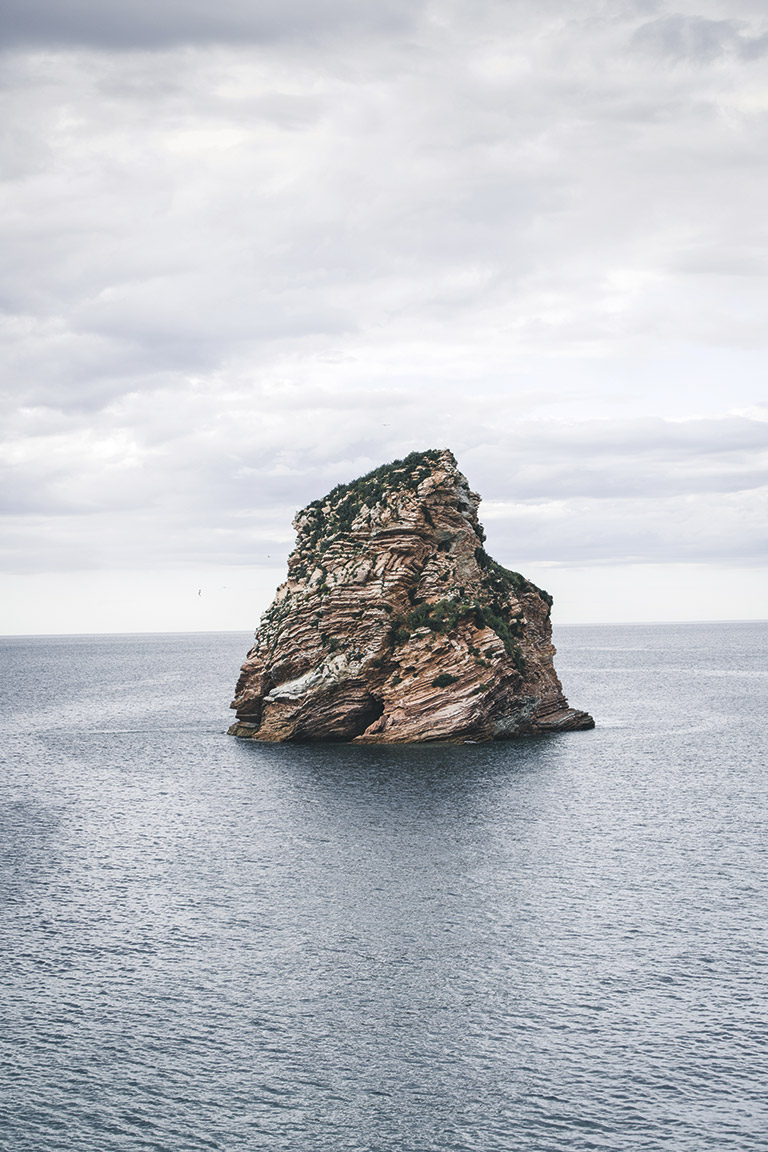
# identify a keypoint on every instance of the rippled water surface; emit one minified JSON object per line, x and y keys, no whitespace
{"x":548,"y":944}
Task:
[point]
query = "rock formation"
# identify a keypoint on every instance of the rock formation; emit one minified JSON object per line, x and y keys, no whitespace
{"x":395,"y":625}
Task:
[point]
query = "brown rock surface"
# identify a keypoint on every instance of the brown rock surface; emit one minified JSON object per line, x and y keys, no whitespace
{"x":395,"y":625}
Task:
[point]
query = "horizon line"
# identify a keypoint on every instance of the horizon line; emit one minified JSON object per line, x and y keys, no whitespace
{"x":250,"y":631}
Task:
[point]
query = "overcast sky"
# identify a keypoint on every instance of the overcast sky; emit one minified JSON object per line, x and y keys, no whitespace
{"x":252,"y":248}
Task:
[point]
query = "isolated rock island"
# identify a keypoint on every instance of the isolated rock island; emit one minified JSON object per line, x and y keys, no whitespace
{"x":395,"y":625}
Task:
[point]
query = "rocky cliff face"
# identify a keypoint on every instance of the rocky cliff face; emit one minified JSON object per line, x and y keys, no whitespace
{"x":395,"y":625}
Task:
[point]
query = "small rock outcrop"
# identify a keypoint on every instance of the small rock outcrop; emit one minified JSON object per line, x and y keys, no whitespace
{"x":395,"y":624}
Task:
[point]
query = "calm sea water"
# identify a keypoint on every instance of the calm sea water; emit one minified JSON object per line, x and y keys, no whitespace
{"x":552,"y":944}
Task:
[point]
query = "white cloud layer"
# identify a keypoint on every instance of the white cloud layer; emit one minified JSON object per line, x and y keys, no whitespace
{"x":253,"y":250}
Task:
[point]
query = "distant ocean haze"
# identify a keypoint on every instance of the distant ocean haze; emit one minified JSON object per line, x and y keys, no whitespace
{"x":543,"y":944}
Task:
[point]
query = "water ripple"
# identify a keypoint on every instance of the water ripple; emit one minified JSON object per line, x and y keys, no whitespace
{"x":546,"y":945}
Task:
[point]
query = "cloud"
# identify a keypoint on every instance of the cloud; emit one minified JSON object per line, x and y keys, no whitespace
{"x":167,"y":213}
{"x":696,"y":39}
{"x":250,"y":251}
{"x":220,"y":476}
{"x":111,"y":24}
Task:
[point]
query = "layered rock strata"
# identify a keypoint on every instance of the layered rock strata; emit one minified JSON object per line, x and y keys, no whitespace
{"x":395,"y":624}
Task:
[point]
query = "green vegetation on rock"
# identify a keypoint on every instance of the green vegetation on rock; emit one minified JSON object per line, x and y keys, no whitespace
{"x":444,"y":616}
{"x":500,"y":579}
{"x":326,"y":527}
{"x":440,"y":617}
{"x":338,"y":510}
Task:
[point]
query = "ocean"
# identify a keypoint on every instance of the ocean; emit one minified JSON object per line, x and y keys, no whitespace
{"x":548,"y":944}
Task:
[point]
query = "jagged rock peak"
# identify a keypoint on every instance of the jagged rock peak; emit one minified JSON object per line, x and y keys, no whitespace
{"x":395,"y":625}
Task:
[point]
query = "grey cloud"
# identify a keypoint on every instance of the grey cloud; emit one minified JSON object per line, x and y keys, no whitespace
{"x":754,"y":48}
{"x":236,"y":275}
{"x":700,"y":40}
{"x":530,"y":462}
{"x":167,"y":225}
{"x":146,"y":24}
{"x":668,"y":531}
{"x":224,"y":479}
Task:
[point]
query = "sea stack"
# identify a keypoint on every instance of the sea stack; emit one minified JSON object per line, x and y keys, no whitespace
{"x":395,"y":625}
